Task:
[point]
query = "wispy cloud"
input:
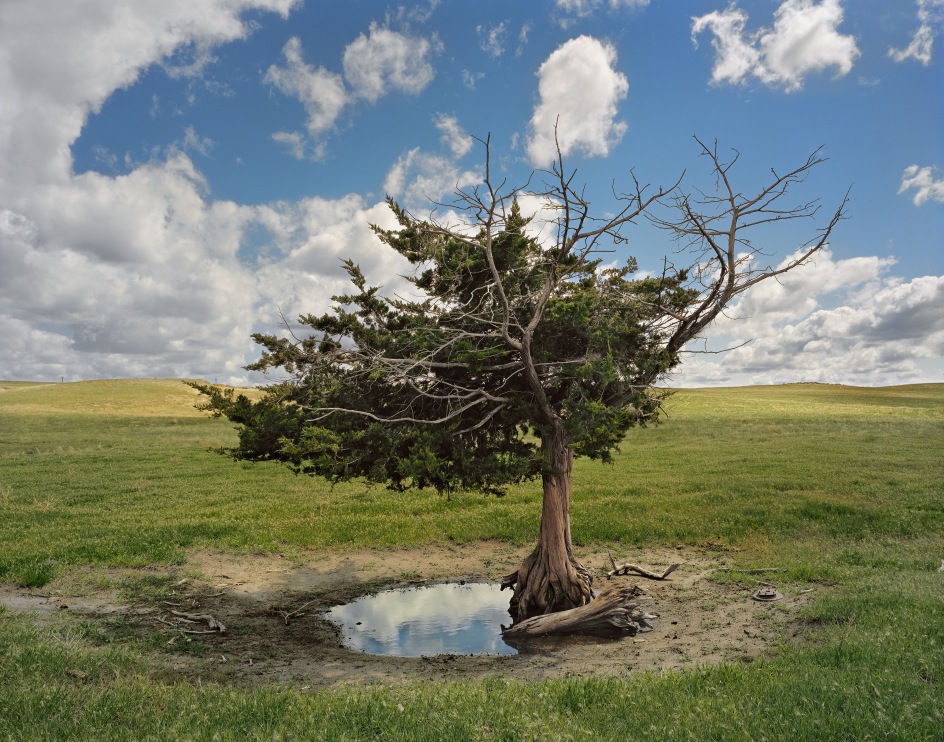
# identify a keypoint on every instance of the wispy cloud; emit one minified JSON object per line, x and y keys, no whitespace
{"x":930,"y":20}
{"x":922,"y":181}
{"x":492,"y":38}
{"x":453,"y":135}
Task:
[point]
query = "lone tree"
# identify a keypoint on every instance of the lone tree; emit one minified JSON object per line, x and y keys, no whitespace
{"x":520,"y":353}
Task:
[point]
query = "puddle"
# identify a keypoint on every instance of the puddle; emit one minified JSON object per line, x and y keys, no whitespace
{"x":443,"y":618}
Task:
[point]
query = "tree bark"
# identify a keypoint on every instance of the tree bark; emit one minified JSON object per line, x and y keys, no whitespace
{"x":551,"y":579}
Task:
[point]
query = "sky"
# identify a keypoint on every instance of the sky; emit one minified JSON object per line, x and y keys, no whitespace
{"x":175,"y":176}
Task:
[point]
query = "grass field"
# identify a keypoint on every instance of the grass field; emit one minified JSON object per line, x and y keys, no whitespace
{"x":840,"y":485}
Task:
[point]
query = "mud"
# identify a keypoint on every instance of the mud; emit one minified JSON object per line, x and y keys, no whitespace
{"x":273,"y":606}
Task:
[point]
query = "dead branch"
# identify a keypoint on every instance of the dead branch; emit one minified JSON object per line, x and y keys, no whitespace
{"x":289,"y":614}
{"x":625,"y":569}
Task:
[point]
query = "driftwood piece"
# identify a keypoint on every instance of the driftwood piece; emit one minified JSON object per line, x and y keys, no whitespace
{"x":625,"y":569}
{"x":614,"y":610}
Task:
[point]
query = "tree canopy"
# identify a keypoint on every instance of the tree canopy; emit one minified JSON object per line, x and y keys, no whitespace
{"x":432,"y":392}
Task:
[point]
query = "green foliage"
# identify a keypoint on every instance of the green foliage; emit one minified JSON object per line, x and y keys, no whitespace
{"x":511,"y":341}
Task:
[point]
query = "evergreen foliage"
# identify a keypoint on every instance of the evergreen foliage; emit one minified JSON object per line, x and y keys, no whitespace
{"x":427,"y":392}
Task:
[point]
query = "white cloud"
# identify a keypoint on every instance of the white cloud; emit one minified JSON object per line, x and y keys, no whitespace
{"x":837,"y":321}
{"x":418,"y":178}
{"x":735,"y":57}
{"x":523,"y":39}
{"x":930,"y":20}
{"x":142,"y":274}
{"x":492,"y":39}
{"x":321,"y":92}
{"x":804,"y":39}
{"x":471,"y":79}
{"x":585,"y":7}
{"x":57,"y":67}
{"x":388,"y":59}
{"x":193,"y":142}
{"x":923,"y":182}
{"x":373,"y":66}
{"x":453,"y":135}
{"x":579,"y":94}
{"x":293,"y":141}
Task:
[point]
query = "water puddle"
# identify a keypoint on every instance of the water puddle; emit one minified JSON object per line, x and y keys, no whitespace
{"x":444,"y":618}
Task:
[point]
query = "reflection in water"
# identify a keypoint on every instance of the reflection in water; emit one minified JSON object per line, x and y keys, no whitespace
{"x":448,"y":618}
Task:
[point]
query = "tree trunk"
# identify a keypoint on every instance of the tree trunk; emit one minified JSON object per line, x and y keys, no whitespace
{"x":551,"y":579}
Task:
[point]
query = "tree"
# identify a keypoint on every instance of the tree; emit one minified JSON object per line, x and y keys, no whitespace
{"x":518,"y":353}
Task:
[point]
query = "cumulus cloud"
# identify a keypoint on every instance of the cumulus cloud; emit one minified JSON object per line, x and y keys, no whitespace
{"x":580,"y":91}
{"x":321,"y":92}
{"x":418,"y":178}
{"x":930,"y":20}
{"x":374,"y":65}
{"x":143,"y":274}
{"x":57,"y":67}
{"x":925,"y":185}
{"x":847,"y":321}
{"x":386,"y":59}
{"x":804,"y":38}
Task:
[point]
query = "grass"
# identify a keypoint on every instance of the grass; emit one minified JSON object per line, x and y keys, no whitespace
{"x":840,"y":485}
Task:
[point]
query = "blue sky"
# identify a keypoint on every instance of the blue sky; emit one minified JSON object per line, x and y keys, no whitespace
{"x":178,"y":174}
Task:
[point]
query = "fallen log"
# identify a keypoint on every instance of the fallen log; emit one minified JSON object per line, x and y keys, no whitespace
{"x":614,"y":610}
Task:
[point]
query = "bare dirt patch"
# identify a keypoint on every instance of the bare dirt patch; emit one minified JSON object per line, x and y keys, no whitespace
{"x":272,"y":608}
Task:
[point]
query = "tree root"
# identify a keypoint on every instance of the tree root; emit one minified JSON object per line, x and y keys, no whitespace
{"x":543,"y":585}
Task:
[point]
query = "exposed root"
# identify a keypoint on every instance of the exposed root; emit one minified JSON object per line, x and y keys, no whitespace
{"x":544,"y":584}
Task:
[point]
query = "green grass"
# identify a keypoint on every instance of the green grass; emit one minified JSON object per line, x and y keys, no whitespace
{"x":840,"y":485}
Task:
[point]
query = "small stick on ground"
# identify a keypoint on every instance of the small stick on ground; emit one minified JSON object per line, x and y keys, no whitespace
{"x":198,"y":617}
{"x":297,"y":612}
{"x":625,"y":569}
{"x":177,"y":626}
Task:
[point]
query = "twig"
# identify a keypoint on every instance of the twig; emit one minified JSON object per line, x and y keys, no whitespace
{"x":195,"y":617}
{"x":624,"y":569}
{"x":182,"y":630}
{"x":297,"y":612}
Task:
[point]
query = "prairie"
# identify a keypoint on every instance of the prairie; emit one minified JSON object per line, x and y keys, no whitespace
{"x":114,"y":488}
